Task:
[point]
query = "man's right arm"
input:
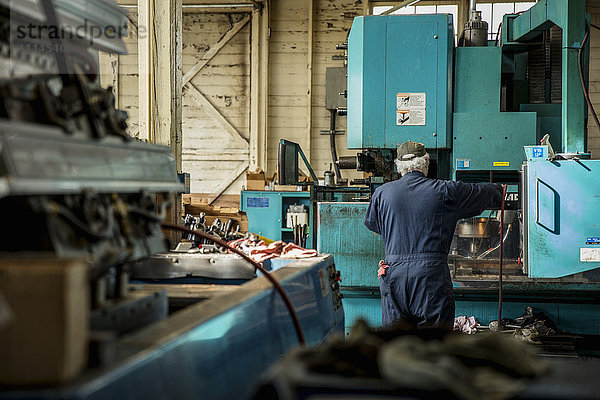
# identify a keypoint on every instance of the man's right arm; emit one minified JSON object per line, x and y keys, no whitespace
{"x":471,"y":199}
{"x":371,"y":219}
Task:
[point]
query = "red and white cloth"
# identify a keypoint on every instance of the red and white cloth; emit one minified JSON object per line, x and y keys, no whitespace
{"x":258,"y":251}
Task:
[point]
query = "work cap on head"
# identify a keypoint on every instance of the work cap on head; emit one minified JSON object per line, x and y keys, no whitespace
{"x":410,"y":150}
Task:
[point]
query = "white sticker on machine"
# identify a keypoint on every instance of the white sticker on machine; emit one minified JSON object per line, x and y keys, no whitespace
{"x":410,"y":109}
{"x":588,"y":254}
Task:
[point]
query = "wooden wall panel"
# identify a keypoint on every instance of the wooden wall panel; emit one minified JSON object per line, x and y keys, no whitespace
{"x":127,"y":93}
{"x":210,"y":155}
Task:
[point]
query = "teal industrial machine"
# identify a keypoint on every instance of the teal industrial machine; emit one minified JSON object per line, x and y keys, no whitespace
{"x":509,"y":111}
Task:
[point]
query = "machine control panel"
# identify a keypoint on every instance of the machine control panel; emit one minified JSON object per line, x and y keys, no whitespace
{"x":334,"y":278}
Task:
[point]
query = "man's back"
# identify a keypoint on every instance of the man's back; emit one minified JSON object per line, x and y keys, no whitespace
{"x":416,"y":215}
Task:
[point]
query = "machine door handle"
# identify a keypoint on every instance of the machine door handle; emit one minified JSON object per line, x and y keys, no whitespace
{"x":547,"y":207}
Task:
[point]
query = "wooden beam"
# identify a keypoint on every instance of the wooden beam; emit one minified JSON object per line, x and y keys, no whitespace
{"x":255,"y":90}
{"x":259,"y":88}
{"x":114,"y":60}
{"x":219,"y":190}
{"x":462,"y":16}
{"x":146,"y":66}
{"x":206,"y":57}
{"x":265,"y":38}
{"x":226,"y":155}
{"x":309,"y":72}
{"x":167,"y":75}
{"x":214,"y":113}
{"x":366,"y":7}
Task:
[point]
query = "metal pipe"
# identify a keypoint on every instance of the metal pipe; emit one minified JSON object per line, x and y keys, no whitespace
{"x":472,"y":5}
{"x":332,"y":144}
{"x":201,"y":6}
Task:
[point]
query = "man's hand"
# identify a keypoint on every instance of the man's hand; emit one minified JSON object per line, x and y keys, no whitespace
{"x":382,"y":268}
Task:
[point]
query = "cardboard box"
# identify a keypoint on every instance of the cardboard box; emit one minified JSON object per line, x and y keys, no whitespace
{"x":255,"y":180}
{"x":46,"y":342}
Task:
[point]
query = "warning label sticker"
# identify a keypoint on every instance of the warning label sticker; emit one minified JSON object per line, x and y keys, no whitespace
{"x":501,"y":164}
{"x":410,"y":109}
{"x":587,"y":254}
{"x":463,"y":164}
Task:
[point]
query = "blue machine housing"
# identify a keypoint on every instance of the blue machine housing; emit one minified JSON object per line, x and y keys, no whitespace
{"x":267,"y":213}
{"x":392,"y":55}
{"x":484,"y":114}
{"x":562,"y":233}
{"x":484,"y":138}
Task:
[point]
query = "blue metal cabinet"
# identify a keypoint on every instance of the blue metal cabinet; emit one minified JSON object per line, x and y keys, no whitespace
{"x":267,"y":213}
{"x":356,"y":250}
{"x":389,"y":56}
{"x":562,"y":217}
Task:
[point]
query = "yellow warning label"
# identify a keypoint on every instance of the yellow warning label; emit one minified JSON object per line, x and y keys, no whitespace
{"x":501,"y":164}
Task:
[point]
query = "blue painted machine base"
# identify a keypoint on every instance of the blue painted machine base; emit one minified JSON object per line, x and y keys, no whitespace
{"x":574,"y":311}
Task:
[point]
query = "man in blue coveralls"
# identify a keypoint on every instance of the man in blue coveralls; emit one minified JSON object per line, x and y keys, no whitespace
{"x":416,"y":218}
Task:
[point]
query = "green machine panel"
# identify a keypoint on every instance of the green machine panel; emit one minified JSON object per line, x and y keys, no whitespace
{"x":477,"y":79}
{"x":492,"y":141}
{"x":355,"y":249}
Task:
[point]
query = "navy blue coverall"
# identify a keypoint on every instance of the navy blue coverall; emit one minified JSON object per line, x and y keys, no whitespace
{"x":416,"y":218}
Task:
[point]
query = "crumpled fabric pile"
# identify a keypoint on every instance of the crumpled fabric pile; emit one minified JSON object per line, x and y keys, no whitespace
{"x":530,"y":326}
{"x":259,"y":251}
{"x":6,"y":315}
{"x":488,"y":366}
{"x":466,"y":324}
{"x":245,"y":245}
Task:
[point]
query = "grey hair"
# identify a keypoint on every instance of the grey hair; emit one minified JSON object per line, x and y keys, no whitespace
{"x":420,"y":164}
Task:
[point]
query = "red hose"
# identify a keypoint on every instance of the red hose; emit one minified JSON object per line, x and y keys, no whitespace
{"x":276,"y":285}
{"x":501,"y":256}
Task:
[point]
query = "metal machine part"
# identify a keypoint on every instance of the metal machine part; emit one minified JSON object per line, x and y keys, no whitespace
{"x":475,"y":228}
{"x":297,"y":214}
{"x":379,"y":162}
{"x":182,"y":265}
{"x":135,"y":310}
{"x":32,"y":43}
{"x":348,"y":162}
{"x":329,"y":178}
{"x":476,"y":30}
{"x":72,"y":182}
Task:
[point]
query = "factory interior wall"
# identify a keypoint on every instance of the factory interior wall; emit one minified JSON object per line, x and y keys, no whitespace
{"x":593,"y":8}
{"x":296,"y":111}
{"x":296,"y":86}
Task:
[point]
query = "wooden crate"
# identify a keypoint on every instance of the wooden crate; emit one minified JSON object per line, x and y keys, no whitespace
{"x":46,"y":342}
